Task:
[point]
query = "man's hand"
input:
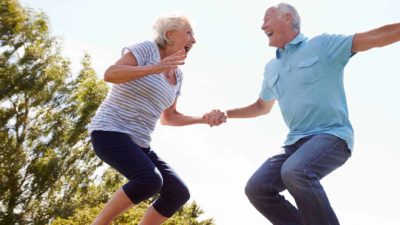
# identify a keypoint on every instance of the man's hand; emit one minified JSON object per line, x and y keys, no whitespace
{"x":215,"y":117}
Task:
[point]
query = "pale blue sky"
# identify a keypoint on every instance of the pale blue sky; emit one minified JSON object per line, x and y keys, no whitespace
{"x":224,"y":70}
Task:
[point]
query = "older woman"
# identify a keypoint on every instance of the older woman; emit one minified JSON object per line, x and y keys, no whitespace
{"x":146,"y":84}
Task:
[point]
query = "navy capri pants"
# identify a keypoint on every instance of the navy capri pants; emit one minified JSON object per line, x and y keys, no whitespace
{"x":146,"y":172}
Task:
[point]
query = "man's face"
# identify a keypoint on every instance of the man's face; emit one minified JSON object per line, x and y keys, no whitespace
{"x":274,"y":26}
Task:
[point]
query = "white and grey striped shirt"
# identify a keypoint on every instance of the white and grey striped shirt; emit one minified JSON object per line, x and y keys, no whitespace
{"x":134,"y":107}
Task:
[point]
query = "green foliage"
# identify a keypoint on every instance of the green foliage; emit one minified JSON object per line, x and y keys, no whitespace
{"x":188,"y":215}
{"x":45,"y":154}
{"x":110,"y":181}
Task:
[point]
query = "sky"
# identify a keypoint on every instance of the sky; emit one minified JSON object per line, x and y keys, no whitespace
{"x":224,"y":70}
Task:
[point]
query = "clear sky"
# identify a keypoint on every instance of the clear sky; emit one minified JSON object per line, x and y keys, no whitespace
{"x":224,"y":70}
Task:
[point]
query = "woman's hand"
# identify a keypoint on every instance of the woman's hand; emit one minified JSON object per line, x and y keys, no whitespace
{"x":127,"y":69}
{"x":173,"y":61}
{"x":215,"y":117}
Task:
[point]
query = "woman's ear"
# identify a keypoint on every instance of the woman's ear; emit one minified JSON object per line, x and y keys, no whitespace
{"x":170,"y":36}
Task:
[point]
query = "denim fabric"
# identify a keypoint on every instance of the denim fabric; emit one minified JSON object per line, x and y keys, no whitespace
{"x":299,"y":170}
{"x":146,"y":172}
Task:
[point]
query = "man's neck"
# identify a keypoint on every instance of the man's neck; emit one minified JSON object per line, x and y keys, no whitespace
{"x":292,"y":35}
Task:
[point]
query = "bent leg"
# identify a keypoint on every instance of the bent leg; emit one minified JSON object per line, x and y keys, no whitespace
{"x":121,"y":153}
{"x":174,"y":192}
{"x":263,"y":190}
{"x":152,"y":217}
{"x":301,"y":174}
{"x":118,"y":204}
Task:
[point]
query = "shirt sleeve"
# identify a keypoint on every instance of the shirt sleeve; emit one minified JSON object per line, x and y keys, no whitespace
{"x":266,"y":90}
{"x":338,"y":48}
{"x":142,"y":52}
{"x":179,"y":79}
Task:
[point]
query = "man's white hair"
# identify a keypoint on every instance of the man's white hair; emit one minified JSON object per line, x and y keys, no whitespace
{"x":284,"y":8}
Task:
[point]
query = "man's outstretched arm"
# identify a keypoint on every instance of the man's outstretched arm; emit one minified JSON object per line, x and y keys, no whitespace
{"x":378,"y":37}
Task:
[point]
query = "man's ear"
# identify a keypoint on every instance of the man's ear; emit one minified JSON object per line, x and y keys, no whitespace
{"x":288,"y":18}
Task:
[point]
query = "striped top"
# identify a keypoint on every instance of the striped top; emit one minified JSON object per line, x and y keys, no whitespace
{"x":134,"y":107}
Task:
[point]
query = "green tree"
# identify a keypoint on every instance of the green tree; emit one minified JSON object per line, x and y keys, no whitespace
{"x":187,"y":215}
{"x":45,"y":155}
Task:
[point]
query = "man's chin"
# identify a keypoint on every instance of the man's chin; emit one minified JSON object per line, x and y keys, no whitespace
{"x":271,"y":44}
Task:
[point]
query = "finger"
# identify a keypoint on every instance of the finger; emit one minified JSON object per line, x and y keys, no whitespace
{"x":175,"y":57}
{"x":180,"y":52}
{"x":215,"y":120}
{"x":175,"y":62}
{"x":222,"y":119}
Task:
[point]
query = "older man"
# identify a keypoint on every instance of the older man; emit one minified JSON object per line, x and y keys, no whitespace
{"x":306,"y":78}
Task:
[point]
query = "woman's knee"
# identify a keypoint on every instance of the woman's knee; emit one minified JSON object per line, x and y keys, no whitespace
{"x":180,"y":194}
{"x":171,"y":201}
{"x":153,"y":182}
{"x":184,"y":195}
{"x":142,"y":188}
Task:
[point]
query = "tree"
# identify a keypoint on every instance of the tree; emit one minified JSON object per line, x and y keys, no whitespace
{"x":45,"y":154}
{"x":187,"y":215}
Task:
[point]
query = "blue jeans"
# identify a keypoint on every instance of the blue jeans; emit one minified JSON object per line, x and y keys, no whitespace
{"x":299,"y":170}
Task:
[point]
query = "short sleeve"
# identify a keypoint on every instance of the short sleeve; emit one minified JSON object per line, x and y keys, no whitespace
{"x":338,"y":48}
{"x":142,"y":52}
{"x":179,"y":79}
{"x":266,"y":90}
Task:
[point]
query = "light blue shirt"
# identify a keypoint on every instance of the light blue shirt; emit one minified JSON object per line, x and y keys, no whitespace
{"x":306,"y":78}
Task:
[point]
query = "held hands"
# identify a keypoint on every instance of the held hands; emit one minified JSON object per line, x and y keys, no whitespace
{"x":215,"y":117}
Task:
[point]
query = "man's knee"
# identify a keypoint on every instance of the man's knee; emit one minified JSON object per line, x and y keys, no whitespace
{"x":294,"y":178}
{"x":253,"y":187}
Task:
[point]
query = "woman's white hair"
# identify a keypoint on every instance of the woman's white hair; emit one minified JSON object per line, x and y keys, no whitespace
{"x":168,"y":23}
{"x":284,"y":8}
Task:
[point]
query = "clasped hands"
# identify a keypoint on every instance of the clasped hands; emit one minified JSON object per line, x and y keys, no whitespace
{"x":215,"y":117}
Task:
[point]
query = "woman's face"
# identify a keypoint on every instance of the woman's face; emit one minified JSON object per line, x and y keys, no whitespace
{"x":182,"y":39}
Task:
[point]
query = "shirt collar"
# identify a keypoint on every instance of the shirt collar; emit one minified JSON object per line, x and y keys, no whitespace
{"x":295,"y":41}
